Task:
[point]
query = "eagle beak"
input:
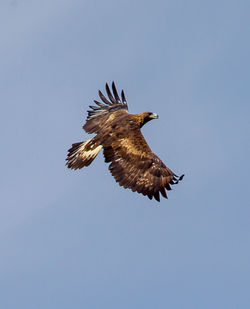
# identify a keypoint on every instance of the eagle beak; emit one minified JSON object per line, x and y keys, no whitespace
{"x":154,"y":116}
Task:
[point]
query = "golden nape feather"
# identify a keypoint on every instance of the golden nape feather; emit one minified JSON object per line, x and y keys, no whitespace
{"x":132,"y":163}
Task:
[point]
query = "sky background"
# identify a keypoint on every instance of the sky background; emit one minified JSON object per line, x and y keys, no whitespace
{"x":75,"y":239}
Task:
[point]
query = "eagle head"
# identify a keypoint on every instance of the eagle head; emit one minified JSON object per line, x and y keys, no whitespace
{"x":147,"y":116}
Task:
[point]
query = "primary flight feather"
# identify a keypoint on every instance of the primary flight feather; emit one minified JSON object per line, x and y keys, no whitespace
{"x":132,"y":163}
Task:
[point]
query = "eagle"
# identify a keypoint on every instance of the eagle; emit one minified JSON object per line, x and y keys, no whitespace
{"x":118,"y":133}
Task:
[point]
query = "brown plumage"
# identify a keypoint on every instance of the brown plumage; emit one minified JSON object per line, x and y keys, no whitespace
{"x":132,"y":163}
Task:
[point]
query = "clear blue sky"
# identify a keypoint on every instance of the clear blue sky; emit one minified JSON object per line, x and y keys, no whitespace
{"x":76,"y":239}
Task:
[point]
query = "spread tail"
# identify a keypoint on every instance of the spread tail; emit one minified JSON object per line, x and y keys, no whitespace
{"x":82,"y":154}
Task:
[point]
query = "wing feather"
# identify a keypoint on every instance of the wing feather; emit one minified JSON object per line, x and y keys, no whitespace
{"x":103,"y":98}
{"x":100,"y":115}
{"x":112,"y":99}
{"x":117,"y":98}
{"x":135,"y":166}
{"x":123,"y":98}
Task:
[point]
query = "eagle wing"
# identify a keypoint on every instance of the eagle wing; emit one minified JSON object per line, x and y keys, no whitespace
{"x":135,"y":166}
{"x":101,"y":115}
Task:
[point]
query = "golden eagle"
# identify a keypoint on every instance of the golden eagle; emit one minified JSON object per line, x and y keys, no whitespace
{"x":133,"y":164}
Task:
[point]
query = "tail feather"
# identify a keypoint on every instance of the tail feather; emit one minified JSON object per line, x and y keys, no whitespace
{"x":82,"y":154}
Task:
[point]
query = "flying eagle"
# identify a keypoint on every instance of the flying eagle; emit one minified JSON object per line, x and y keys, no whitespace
{"x":132,"y":162}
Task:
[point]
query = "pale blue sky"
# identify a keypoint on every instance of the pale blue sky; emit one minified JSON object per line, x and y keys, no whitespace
{"x":76,"y":239}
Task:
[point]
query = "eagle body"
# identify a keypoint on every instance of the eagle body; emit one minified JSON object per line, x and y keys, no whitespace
{"x":132,"y":162}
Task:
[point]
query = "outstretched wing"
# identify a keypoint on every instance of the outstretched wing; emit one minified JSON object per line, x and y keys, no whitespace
{"x":135,"y":166}
{"x":100,"y":115}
